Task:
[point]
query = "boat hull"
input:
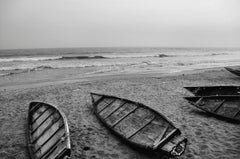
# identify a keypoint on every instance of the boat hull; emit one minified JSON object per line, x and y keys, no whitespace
{"x":48,"y":133}
{"x":214,"y":90}
{"x":226,"y":107}
{"x":138,"y":125}
{"x":234,"y":69}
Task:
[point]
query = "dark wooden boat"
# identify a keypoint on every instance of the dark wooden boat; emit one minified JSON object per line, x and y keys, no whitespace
{"x":234,"y":69}
{"x":227,"y":107}
{"x":214,"y":90}
{"x":138,"y":124}
{"x":48,"y":133}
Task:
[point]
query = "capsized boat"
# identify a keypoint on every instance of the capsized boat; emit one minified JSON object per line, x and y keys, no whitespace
{"x":227,"y":107}
{"x":234,"y":69}
{"x":214,"y":90}
{"x":48,"y":133}
{"x":138,"y":124}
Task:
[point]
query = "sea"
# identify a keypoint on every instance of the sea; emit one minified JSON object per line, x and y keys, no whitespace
{"x":117,"y":59}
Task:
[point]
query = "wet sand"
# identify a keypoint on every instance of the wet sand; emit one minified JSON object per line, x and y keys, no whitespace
{"x":209,"y":137}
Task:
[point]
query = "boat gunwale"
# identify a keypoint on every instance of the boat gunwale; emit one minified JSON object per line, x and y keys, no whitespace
{"x":65,"y":123}
{"x":151,"y":148}
{"x":211,"y":112}
{"x":233,"y":71}
{"x":191,"y":89}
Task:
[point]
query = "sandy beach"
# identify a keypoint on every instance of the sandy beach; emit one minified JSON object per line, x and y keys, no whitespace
{"x":209,"y":137}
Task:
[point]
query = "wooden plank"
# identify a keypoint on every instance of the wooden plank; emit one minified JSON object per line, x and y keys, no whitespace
{"x":34,"y":108}
{"x":199,"y":100}
{"x":140,"y":128}
{"x":234,"y":115}
{"x":37,"y":124}
{"x":37,"y":115}
{"x":165,"y":139}
{"x":161,"y":136}
{"x":130,"y":124}
{"x":50,"y":143}
{"x":218,"y":106}
{"x":119,"y":120}
{"x":56,"y":149}
{"x":43,"y":128}
{"x":195,"y":92}
{"x":106,"y":106}
{"x":114,"y":110}
{"x":115,"y":106}
{"x":47,"y":133}
{"x":125,"y":109}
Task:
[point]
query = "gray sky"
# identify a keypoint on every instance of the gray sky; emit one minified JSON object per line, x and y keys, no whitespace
{"x":109,"y":23}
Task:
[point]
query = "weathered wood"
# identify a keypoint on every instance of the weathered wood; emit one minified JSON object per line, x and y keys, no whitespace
{"x":38,"y":114}
{"x":43,"y":134}
{"x":96,"y":98}
{"x":140,"y":128}
{"x":114,"y":110}
{"x":120,"y":119}
{"x":35,"y":107}
{"x":218,"y":106}
{"x":161,"y":136}
{"x":47,"y":134}
{"x":114,"y":106}
{"x":130,"y":124}
{"x":50,"y":143}
{"x":234,"y":115}
{"x":57,"y":149}
{"x":195,"y":92}
{"x":46,"y":121}
{"x":166,"y":138}
{"x":107,"y":104}
{"x":137,"y":124}
{"x":221,"y":106}
{"x":214,"y":90}
{"x":171,"y":145}
{"x":199,"y":101}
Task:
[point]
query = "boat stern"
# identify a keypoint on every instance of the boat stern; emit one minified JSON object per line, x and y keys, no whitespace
{"x":179,"y":149}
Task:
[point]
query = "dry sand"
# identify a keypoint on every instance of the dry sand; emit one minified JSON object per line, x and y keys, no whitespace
{"x":209,"y":137}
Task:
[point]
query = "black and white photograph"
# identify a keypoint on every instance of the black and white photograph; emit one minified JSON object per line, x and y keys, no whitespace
{"x":119,"y":79}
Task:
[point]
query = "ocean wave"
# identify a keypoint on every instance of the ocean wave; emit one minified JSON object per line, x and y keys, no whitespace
{"x":215,"y":54}
{"x":13,"y":70}
{"x":18,"y":71}
{"x":164,"y":55}
{"x":81,"y":57}
{"x":22,"y":59}
{"x":17,"y":59}
{"x":38,"y":68}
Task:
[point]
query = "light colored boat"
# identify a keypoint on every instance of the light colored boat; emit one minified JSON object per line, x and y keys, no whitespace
{"x":48,"y":133}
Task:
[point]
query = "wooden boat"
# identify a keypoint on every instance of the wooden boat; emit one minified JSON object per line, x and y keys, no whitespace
{"x":214,"y":90}
{"x":48,"y":133}
{"x":138,"y":124}
{"x":234,"y":69}
{"x":227,"y":107}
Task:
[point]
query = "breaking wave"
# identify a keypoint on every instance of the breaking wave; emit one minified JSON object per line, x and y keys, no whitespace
{"x":51,"y":58}
{"x":81,"y":57}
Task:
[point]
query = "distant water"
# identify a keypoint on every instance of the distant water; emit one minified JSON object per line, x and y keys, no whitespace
{"x":164,"y":60}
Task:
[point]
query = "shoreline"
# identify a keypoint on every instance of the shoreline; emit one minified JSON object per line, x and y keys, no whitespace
{"x":50,"y":77}
{"x":209,"y":137}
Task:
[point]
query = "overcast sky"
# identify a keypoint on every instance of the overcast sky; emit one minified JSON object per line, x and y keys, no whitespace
{"x":109,"y":23}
